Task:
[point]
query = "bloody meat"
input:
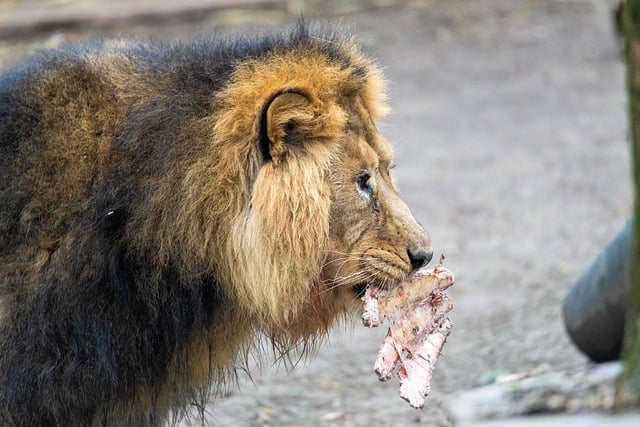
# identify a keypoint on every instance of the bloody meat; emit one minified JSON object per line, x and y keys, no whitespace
{"x":418,"y":328}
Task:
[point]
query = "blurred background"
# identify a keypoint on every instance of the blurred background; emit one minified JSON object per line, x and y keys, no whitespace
{"x":510,"y":129}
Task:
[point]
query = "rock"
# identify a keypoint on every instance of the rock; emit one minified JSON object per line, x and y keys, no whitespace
{"x":589,"y":389}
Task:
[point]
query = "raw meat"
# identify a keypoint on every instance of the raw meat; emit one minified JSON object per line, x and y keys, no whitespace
{"x":418,"y":329}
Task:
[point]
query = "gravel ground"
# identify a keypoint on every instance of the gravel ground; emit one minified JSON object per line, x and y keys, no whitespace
{"x":510,"y":130}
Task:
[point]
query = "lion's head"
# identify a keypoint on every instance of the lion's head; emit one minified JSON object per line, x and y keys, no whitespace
{"x":312,"y":215}
{"x":374,"y":239}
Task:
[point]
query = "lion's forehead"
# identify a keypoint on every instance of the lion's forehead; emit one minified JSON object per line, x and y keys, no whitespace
{"x":369,"y":144}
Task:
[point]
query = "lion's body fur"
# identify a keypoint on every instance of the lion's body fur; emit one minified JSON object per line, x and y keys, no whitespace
{"x":145,"y":241}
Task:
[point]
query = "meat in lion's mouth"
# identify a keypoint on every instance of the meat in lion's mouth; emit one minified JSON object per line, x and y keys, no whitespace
{"x":418,"y":328}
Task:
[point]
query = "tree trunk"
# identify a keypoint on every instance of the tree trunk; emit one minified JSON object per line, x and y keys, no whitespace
{"x":629,"y":382}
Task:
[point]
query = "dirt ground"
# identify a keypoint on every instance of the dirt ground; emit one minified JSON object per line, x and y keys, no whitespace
{"x":510,"y":130}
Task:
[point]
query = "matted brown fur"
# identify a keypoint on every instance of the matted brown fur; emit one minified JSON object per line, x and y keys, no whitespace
{"x":162,"y":206}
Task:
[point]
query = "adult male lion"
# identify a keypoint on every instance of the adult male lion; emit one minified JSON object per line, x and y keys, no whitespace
{"x":164,"y":205}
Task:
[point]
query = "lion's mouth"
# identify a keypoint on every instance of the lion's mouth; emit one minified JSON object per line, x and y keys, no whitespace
{"x":361,"y":288}
{"x":384,"y":284}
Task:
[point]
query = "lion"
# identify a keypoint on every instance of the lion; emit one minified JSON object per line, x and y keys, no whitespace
{"x":165,"y":205}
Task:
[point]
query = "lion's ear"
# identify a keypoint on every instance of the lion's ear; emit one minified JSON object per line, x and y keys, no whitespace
{"x":285,"y":120}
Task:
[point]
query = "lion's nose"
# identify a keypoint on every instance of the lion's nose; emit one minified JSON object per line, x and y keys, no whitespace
{"x":419,"y":257}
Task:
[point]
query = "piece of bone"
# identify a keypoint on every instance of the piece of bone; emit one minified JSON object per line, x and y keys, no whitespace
{"x":418,"y":329}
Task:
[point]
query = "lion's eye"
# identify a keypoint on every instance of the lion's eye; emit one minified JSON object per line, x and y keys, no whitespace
{"x":364,"y":183}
